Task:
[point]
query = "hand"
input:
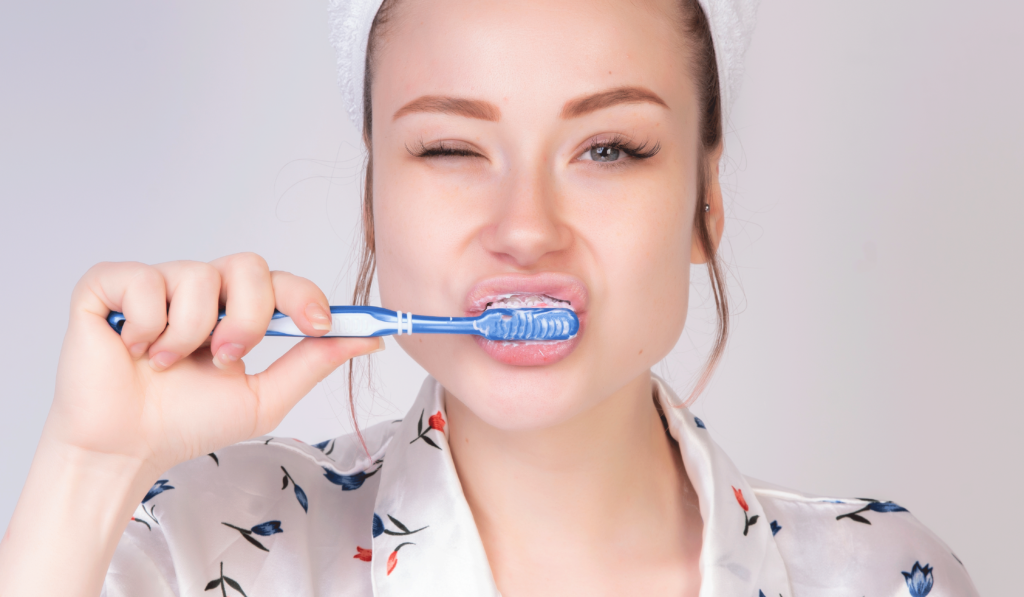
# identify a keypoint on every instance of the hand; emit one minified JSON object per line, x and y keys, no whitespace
{"x":165,"y":390}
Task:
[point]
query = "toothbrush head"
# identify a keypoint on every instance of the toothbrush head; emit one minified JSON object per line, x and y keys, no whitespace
{"x":527,"y":324}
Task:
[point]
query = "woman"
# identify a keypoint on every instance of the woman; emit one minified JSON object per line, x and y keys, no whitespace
{"x":543,"y":152}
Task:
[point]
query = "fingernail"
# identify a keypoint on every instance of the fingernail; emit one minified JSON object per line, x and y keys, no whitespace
{"x":379,"y":347}
{"x":162,"y":360}
{"x":228,"y":353}
{"x":318,"y":317}
{"x":138,"y":349}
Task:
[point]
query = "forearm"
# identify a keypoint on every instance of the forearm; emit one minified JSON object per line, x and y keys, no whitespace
{"x":69,"y":518}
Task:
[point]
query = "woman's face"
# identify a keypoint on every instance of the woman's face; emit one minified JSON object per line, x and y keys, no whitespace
{"x":544,"y":150}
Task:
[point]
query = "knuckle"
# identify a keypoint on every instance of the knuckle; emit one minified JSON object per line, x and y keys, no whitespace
{"x":90,"y":278}
{"x":98,"y":269}
{"x":295,"y":286}
{"x":204,"y":276}
{"x":146,"y":276}
{"x":250,"y":262}
{"x":282,"y":279}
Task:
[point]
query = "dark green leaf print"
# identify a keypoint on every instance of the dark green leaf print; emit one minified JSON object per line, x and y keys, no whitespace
{"x":224,"y":582}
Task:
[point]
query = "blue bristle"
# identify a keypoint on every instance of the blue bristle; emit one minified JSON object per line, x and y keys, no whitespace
{"x":528,"y":324}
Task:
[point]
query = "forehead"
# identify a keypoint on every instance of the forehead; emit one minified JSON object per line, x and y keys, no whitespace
{"x":529,"y":51}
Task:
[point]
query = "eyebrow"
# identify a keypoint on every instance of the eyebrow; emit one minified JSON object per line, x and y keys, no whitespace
{"x":470,"y":108}
{"x":582,"y":106}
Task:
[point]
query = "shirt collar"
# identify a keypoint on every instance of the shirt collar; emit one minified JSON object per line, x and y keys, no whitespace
{"x":426,"y":542}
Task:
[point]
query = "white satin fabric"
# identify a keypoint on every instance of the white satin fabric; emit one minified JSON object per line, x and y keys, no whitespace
{"x":397,"y":524}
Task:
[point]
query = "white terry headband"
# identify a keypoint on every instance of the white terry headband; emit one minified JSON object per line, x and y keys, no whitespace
{"x":731,"y":21}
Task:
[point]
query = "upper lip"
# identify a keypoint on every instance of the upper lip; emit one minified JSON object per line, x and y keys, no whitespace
{"x":563,"y":287}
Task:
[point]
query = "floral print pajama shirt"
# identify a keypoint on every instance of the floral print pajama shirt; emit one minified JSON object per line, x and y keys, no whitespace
{"x":274,"y":516}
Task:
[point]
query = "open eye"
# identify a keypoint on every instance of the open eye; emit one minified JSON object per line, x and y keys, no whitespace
{"x":603,"y":153}
{"x":617,"y":149}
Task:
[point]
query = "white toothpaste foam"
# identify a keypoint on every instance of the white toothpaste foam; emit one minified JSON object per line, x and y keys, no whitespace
{"x":527,"y":301}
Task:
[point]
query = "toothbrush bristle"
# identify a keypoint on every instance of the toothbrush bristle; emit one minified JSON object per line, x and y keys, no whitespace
{"x":528,"y":324}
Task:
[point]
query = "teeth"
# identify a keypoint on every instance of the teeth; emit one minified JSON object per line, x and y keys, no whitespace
{"x":527,"y":301}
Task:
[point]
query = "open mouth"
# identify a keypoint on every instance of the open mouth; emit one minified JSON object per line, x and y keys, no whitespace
{"x":527,"y":301}
{"x":547,"y":290}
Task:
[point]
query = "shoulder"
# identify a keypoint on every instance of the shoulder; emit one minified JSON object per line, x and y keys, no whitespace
{"x":246,"y":502}
{"x":828,"y":543}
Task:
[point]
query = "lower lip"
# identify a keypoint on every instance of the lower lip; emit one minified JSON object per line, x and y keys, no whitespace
{"x":530,"y":354}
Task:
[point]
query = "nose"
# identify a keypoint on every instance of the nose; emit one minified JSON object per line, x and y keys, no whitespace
{"x":526,"y":221}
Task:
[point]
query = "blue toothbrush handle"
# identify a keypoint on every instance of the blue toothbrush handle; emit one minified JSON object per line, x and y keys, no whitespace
{"x":365,"y":322}
{"x":348,"y":321}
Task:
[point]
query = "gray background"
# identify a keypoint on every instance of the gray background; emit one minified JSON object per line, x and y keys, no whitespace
{"x":874,"y":243}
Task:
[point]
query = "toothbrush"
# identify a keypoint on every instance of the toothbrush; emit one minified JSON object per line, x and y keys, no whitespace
{"x":363,"y":322}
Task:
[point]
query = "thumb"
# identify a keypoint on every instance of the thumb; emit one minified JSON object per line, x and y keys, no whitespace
{"x":289,"y":378}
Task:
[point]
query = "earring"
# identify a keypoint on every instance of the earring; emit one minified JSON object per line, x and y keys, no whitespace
{"x":707,"y":208}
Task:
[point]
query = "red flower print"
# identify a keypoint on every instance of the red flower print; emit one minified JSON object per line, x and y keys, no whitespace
{"x":363,"y":554}
{"x":739,"y":498}
{"x":748,"y":521}
{"x":393,"y":558}
{"x":436,"y":421}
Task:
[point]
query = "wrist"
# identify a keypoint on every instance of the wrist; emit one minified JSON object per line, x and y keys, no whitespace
{"x":118,"y":478}
{"x":73,"y":509}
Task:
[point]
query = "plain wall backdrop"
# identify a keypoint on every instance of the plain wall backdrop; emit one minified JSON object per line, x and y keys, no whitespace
{"x":874,"y":197}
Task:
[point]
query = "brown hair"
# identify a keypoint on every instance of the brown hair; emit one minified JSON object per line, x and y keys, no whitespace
{"x":704,"y":70}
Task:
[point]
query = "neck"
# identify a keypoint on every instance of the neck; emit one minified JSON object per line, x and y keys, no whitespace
{"x":602,"y":484}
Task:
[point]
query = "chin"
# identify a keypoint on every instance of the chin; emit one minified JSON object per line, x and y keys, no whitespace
{"x":516,"y":397}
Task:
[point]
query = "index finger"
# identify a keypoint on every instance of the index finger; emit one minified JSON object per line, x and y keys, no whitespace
{"x":248,"y":298}
{"x":303,"y":301}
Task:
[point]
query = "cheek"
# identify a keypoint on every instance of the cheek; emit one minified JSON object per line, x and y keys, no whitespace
{"x":417,"y":240}
{"x":645,"y":260}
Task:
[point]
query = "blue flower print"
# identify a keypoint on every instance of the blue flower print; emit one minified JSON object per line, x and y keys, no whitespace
{"x":885,"y":507}
{"x":349,"y":482}
{"x":874,"y":506}
{"x":775,"y":527}
{"x":158,"y":488}
{"x":264,"y":529}
{"x":299,"y":494}
{"x":919,"y":580}
{"x":700,"y":424}
{"x":379,"y":528}
{"x":322,"y":446}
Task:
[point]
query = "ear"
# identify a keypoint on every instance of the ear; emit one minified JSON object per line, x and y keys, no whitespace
{"x":714,"y":217}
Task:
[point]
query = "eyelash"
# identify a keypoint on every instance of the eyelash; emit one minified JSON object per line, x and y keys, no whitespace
{"x":442,"y":150}
{"x":638,"y":152}
{"x":619,"y":142}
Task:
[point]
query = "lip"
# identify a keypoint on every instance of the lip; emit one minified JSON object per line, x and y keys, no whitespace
{"x":563,"y":287}
{"x":556,"y":285}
